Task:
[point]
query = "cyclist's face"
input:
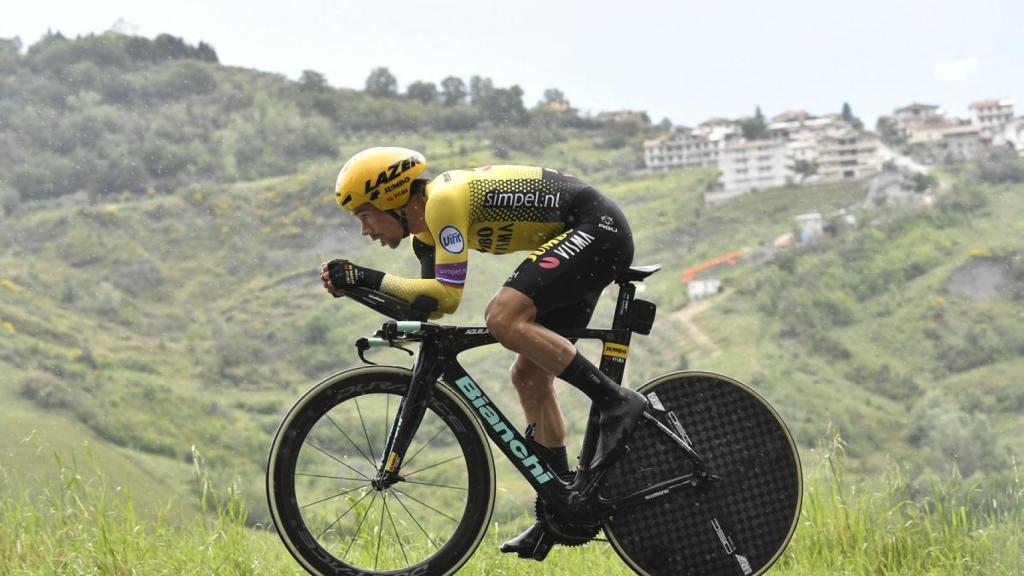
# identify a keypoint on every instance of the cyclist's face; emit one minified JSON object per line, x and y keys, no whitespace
{"x":379,"y":225}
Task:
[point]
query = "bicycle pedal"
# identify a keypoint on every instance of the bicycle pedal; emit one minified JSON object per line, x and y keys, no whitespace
{"x":544,"y":545}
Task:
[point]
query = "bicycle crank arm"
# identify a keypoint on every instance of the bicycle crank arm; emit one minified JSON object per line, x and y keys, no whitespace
{"x":685,"y":482}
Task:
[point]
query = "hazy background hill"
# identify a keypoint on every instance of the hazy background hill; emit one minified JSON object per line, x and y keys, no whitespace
{"x":164,"y":217}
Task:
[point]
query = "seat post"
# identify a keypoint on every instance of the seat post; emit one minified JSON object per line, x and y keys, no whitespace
{"x":615,"y":348}
{"x":627,"y":292}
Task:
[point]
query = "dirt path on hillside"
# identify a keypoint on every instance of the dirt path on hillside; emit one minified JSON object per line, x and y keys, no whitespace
{"x":685,"y":317}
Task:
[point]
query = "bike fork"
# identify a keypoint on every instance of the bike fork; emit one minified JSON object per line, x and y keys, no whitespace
{"x":410,"y":415}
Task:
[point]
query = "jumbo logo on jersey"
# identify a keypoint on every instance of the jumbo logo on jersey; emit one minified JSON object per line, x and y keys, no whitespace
{"x":391,"y":173}
{"x":451,"y":240}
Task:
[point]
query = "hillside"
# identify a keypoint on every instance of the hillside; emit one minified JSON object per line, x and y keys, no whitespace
{"x":187,"y":313}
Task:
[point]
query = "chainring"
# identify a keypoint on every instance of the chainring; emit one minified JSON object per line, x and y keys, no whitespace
{"x":564,"y":533}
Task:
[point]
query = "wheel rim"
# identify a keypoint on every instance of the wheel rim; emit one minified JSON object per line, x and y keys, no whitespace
{"x":331,"y":517}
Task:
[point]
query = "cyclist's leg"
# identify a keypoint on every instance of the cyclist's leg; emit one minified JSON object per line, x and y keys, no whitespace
{"x":535,"y":385}
{"x":583,"y":261}
{"x":536,"y":390}
{"x":511,"y":316}
{"x":540,"y":405}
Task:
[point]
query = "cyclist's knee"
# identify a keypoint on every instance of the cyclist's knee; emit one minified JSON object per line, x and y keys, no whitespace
{"x":528,"y":377}
{"x":507,"y":313}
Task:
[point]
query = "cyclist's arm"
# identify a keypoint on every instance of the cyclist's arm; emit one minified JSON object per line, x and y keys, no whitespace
{"x":448,"y":226}
{"x":425,"y":254}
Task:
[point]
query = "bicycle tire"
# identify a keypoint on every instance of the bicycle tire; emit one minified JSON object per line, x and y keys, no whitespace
{"x":324,"y":455}
{"x":742,"y":519}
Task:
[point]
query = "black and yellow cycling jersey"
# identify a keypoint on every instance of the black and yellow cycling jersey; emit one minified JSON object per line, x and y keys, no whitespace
{"x":502,"y":209}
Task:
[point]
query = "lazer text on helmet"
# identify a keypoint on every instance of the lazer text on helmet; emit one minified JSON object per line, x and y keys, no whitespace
{"x":391,"y":172}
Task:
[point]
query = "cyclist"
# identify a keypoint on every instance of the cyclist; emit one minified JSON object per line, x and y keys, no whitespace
{"x":579,"y":240}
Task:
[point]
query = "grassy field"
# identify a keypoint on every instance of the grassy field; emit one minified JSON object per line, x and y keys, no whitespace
{"x":79,"y":526}
{"x":149,"y":327}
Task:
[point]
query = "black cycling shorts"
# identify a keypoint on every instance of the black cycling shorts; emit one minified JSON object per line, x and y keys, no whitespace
{"x":565,"y":276}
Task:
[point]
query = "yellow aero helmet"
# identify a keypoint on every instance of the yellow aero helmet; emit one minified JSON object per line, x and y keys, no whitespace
{"x":381,"y":176}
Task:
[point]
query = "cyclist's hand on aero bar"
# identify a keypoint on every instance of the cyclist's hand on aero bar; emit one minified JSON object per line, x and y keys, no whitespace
{"x":325,"y":277}
{"x":343,"y":274}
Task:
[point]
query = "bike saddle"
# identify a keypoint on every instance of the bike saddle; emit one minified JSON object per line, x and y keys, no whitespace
{"x":637,"y":273}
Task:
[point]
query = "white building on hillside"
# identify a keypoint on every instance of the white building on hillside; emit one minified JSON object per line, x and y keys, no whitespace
{"x":752,"y":165}
{"x":703,"y":288}
{"x":1013,"y":135}
{"x":849,"y":155}
{"x":792,"y":126}
{"x":683,"y":149}
{"x":962,"y":143}
{"x":801,"y":151}
{"x":991,"y":116}
{"x":916,"y":113}
{"x":688,"y":148}
{"x":929,"y":131}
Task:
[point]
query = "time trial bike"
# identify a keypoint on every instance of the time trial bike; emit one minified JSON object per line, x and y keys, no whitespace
{"x":386,"y":470}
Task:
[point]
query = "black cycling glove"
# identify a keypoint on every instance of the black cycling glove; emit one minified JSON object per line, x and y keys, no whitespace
{"x":345,"y":274}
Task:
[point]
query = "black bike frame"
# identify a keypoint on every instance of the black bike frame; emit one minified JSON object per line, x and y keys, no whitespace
{"x":437,"y":359}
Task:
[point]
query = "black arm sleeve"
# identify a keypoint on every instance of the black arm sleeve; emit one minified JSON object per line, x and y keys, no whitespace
{"x":425,"y":253}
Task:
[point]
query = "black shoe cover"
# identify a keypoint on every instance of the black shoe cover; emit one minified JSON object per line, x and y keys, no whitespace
{"x":616,"y":425}
{"x":534,"y":542}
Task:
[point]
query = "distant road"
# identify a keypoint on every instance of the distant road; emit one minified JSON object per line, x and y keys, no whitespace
{"x":685,"y":317}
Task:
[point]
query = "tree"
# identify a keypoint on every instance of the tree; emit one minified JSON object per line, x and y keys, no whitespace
{"x":312,"y":81}
{"x":206,"y":53}
{"x":425,"y":92}
{"x":453,"y":91}
{"x":479,"y":89}
{"x":10,"y":52}
{"x":805,"y":167}
{"x":754,"y":128}
{"x":889,"y":131}
{"x":167,"y":47}
{"x":553,"y":95}
{"x":849,"y":118}
{"x":503,"y":105}
{"x":381,"y":83}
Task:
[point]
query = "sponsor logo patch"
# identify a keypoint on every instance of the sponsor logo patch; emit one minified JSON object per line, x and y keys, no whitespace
{"x":451,"y":274}
{"x":393,"y":461}
{"x":497,"y":241}
{"x":615,"y":350}
{"x":544,"y":248}
{"x":549,"y":262}
{"x":573,"y":245}
{"x":451,"y":240}
{"x":498,"y":199}
{"x":391,"y":173}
